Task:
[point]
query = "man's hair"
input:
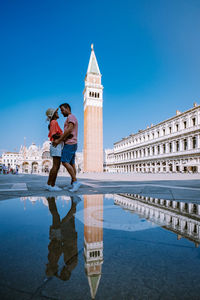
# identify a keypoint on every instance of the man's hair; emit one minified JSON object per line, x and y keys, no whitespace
{"x":66,"y":105}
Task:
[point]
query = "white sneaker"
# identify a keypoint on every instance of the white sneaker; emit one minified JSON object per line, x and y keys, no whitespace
{"x":54,"y":188}
{"x":68,"y":187}
{"x":76,"y":186}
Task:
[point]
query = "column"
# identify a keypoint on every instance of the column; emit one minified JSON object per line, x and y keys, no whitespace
{"x":181,"y":165}
{"x":181,"y":145}
{"x":156,"y":150}
{"x":167,"y":167}
{"x":189,"y":141}
{"x":161,"y":148}
{"x":174,"y":167}
{"x":173,"y":146}
{"x":198,"y":141}
{"x":167,"y":147}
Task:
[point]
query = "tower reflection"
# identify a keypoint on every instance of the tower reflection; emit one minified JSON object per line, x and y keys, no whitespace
{"x":93,"y":240}
{"x":63,"y":240}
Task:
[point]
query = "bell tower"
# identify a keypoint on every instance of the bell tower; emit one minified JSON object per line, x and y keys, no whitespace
{"x":93,"y":119}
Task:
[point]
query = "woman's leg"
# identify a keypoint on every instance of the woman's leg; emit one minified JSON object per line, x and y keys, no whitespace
{"x":54,"y":171}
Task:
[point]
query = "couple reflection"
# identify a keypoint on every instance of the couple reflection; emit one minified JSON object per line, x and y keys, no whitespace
{"x":63,"y":240}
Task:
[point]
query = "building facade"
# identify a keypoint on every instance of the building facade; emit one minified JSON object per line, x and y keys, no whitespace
{"x":35,"y":160}
{"x":170,"y":146}
{"x":93,"y":119}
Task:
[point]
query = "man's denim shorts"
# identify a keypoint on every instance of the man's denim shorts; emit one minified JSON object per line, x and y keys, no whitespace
{"x":68,"y":153}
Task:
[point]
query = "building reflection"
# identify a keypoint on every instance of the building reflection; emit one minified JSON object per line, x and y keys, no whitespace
{"x":63,"y":240}
{"x":179,"y":217}
{"x":34,"y":199}
{"x":93,"y":240}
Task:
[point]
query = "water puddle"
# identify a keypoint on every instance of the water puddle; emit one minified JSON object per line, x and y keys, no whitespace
{"x":121,"y":246}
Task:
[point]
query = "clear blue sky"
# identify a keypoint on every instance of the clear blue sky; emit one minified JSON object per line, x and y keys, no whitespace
{"x":147,"y":51}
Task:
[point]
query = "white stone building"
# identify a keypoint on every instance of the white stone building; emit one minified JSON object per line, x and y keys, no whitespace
{"x":10,"y":159}
{"x":170,"y":146}
{"x":35,"y":160}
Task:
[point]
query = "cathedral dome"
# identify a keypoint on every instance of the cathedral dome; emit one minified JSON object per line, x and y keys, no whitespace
{"x":33,"y":148}
{"x":46,"y":146}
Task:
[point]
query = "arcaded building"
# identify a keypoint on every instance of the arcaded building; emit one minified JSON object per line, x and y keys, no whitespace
{"x":93,"y":118}
{"x":35,"y":160}
{"x":170,"y":146}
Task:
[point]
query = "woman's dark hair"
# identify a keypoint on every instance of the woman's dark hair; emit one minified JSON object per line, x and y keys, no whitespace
{"x":66,"y":105}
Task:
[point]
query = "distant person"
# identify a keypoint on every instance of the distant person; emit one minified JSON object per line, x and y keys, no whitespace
{"x":69,"y":137}
{"x":63,"y":240}
{"x":4,"y":169}
{"x":55,"y":152}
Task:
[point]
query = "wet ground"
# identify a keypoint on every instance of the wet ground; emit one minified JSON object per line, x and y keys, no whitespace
{"x":113,"y":246}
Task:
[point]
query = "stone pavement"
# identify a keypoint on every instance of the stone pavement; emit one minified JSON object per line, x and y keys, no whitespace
{"x":181,"y":187}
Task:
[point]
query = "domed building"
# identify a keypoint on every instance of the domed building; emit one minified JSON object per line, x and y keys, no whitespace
{"x":35,"y":160}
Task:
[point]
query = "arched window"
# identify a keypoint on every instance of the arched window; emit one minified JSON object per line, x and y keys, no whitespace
{"x":185,"y":144}
{"x":177,"y":146}
{"x":164,"y":148}
{"x":194,"y":142}
{"x":194,"y":121}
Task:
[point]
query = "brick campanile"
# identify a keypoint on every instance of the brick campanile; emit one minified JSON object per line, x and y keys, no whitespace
{"x":93,"y":118}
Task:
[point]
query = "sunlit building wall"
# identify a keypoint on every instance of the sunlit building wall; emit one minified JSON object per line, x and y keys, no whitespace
{"x":170,"y":146}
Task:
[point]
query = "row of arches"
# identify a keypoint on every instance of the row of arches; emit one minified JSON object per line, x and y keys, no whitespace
{"x":35,"y":168}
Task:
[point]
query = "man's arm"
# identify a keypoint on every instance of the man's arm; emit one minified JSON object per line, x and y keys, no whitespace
{"x":66,"y":133}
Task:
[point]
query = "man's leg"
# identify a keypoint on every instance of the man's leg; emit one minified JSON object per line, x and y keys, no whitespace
{"x":74,"y":167}
{"x":70,"y":170}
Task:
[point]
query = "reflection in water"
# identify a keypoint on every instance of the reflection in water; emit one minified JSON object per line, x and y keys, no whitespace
{"x":93,"y":240}
{"x":179,"y":217}
{"x":34,"y":199}
{"x":63,"y":240}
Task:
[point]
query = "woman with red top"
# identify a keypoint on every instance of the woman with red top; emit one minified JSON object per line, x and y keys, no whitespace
{"x":55,"y":152}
